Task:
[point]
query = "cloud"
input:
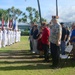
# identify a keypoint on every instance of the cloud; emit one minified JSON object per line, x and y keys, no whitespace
{"x":65,"y":14}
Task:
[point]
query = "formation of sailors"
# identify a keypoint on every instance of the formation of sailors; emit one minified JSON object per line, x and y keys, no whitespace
{"x":8,"y":36}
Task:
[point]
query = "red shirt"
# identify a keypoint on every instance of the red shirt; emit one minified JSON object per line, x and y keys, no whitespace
{"x":45,"y":35}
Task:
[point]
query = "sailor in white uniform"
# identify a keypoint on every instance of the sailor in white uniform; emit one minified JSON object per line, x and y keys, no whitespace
{"x":0,"y":38}
{"x":8,"y":36}
{"x":3,"y":38}
{"x":19,"y":35}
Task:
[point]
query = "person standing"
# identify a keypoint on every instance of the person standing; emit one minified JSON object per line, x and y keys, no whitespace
{"x":68,"y":36}
{"x":31,"y":36}
{"x":55,"y":41}
{"x":39,"y":44}
{"x":63,"y":39}
{"x":45,"y":41}
{"x":0,"y":37}
{"x":72,"y":39}
{"x":35,"y":35}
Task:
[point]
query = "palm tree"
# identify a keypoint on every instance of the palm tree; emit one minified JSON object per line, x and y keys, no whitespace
{"x":24,"y":17}
{"x":36,"y":17}
{"x":30,"y":10}
{"x":13,"y":13}
{"x":39,"y":10}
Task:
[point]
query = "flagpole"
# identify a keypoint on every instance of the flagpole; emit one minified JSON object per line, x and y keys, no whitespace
{"x":56,"y":7}
{"x":39,"y":11}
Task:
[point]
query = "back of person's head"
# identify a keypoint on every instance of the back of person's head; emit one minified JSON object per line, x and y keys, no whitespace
{"x":62,"y":24}
{"x":48,"y":25}
{"x":54,"y":19}
{"x":35,"y":26}
{"x":67,"y":28}
{"x":73,"y":26}
{"x":32,"y":24}
{"x":44,"y":24}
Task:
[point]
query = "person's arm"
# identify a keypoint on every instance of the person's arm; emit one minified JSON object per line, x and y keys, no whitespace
{"x":72,"y":38}
{"x":59,"y":36}
{"x":39,"y":37}
{"x":65,"y":34}
{"x":48,"y":37}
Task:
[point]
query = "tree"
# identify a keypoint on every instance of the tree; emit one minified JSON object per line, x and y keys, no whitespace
{"x":43,"y":19}
{"x":33,"y":14}
{"x":30,"y":11}
{"x":38,"y":3}
{"x":36,"y":19}
{"x":24,"y":18}
{"x":3,"y":14}
{"x":13,"y":12}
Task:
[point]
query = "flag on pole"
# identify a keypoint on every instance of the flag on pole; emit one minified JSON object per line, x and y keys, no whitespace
{"x":2,"y":23}
{"x":15,"y":25}
{"x":10,"y":23}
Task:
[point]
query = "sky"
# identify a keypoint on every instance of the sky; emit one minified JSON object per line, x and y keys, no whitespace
{"x":66,"y":8}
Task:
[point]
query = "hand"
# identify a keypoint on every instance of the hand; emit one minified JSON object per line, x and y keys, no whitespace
{"x":58,"y":43}
{"x":48,"y":43}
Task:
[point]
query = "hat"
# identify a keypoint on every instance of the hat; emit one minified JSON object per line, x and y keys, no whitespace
{"x":61,"y":23}
{"x":44,"y":23}
{"x":55,"y":17}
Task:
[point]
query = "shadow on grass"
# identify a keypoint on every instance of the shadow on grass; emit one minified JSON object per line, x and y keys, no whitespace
{"x":16,"y":53}
{"x":21,"y":62}
{"x":31,"y":67}
{"x":29,"y":60}
{"x":27,"y":67}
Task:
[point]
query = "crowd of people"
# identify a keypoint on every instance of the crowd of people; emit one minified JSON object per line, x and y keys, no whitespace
{"x":52,"y":37}
{"x":8,"y":36}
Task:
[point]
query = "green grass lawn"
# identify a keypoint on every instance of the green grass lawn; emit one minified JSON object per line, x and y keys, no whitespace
{"x":23,"y":45}
{"x":17,"y":60}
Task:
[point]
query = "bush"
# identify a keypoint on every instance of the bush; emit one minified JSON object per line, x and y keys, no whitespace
{"x":24,"y":33}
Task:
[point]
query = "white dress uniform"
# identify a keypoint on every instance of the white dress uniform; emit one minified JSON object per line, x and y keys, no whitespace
{"x":8,"y":36}
{"x":0,"y":39}
{"x":19,"y":35}
{"x":13,"y":36}
{"x":16,"y":36}
{"x":3,"y":38}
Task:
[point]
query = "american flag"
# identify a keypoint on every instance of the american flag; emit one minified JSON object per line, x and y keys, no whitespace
{"x":2,"y":23}
{"x":15,"y":25}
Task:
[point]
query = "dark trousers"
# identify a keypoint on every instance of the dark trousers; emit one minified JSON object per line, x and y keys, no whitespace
{"x":55,"y":53}
{"x":31,"y":46}
{"x":46,"y":50}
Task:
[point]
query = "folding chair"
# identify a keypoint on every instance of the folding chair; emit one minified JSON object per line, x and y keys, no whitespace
{"x":68,"y":50}
{"x":67,"y":56}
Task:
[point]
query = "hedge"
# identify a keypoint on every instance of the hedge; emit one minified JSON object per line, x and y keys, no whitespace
{"x":24,"y":33}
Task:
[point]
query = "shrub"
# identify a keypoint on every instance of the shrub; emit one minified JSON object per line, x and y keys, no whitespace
{"x":25,"y":33}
